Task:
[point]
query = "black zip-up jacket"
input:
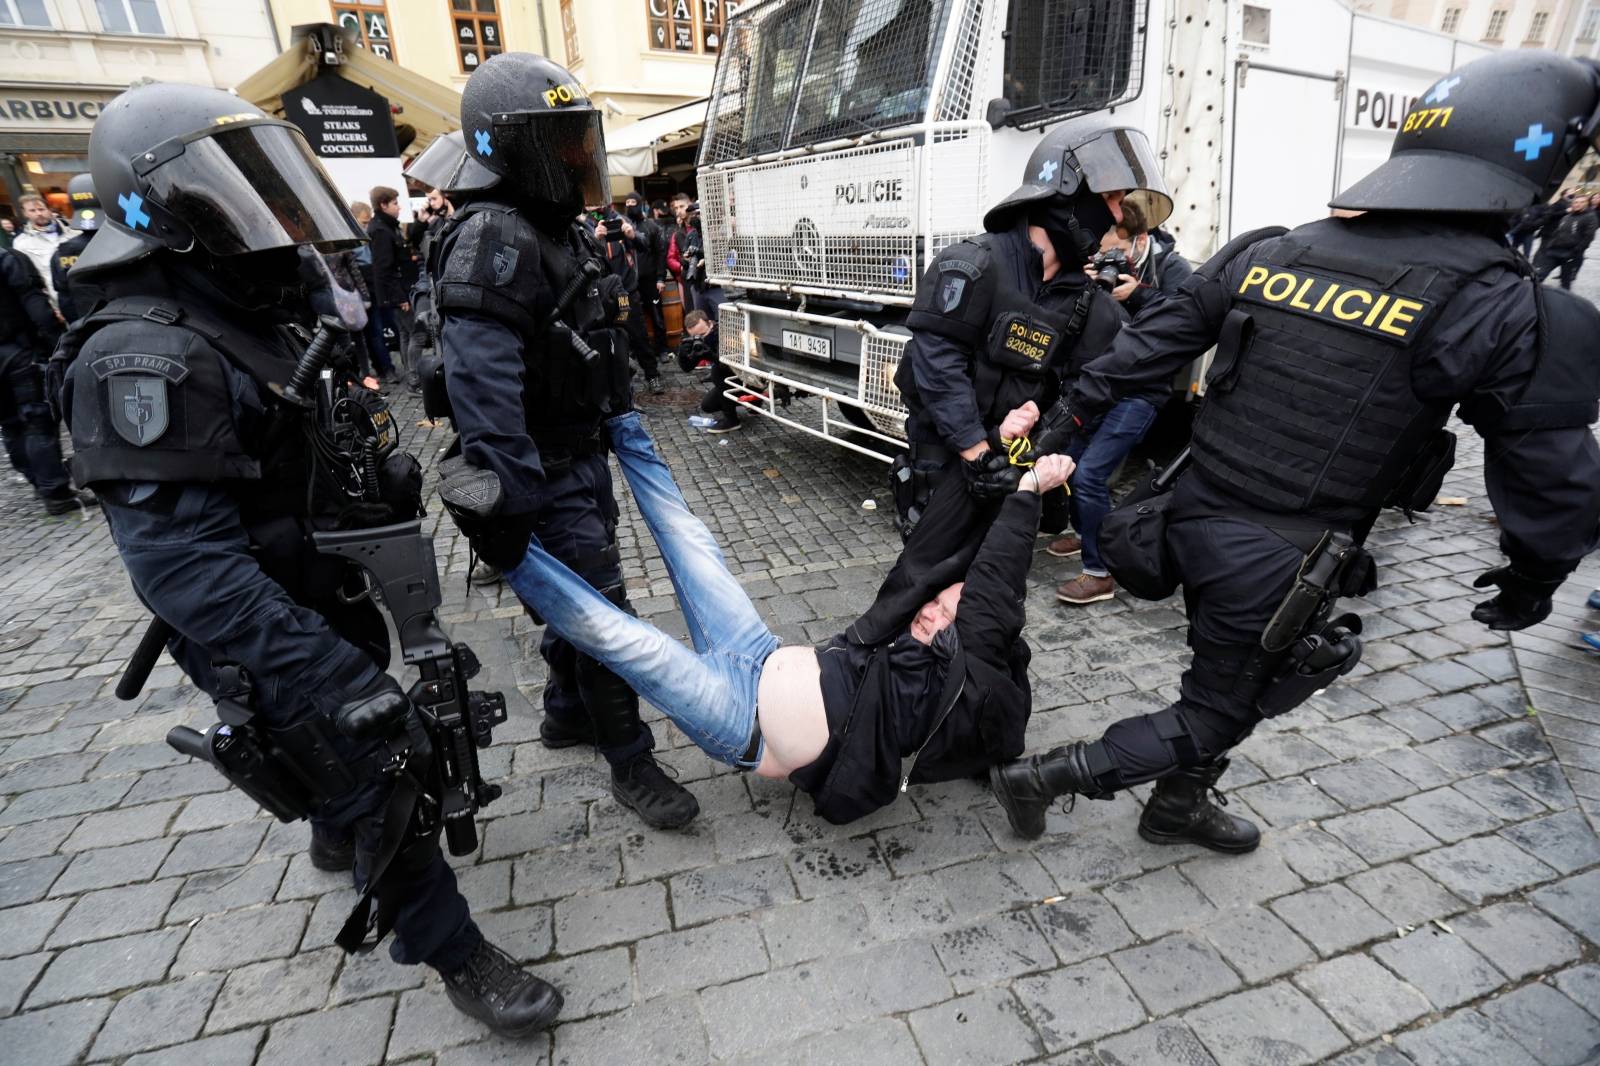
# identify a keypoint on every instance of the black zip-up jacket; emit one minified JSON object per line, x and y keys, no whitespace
{"x":900,"y":711}
{"x":391,"y":262}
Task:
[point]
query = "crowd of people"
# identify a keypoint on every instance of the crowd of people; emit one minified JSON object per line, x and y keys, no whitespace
{"x":1041,"y":352}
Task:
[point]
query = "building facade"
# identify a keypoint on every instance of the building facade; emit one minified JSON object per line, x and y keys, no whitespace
{"x":61,"y":61}
{"x":1495,"y":23}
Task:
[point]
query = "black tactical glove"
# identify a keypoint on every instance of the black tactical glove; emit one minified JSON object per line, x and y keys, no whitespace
{"x":502,"y":541}
{"x":1057,"y":429}
{"x":473,"y":498}
{"x":1522,"y":601}
{"x":378,"y":712}
{"x":991,"y":475}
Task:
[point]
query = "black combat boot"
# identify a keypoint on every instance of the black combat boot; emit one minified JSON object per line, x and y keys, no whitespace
{"x":1025,"y":787}
{"x":637,"y":782}
{"x":642,"y":786}
{"x":555,"y":733}
{"x":492,"y":988}
{"x":330,"y":853}
{"x":1180,"y":811}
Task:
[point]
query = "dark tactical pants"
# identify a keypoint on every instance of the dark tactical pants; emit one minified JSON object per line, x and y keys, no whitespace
{"x":578,"y":525}
{"x":434,"y":925}
{"x":33,"y":443}
{"x":639,"y":343}
{"x":1235,"y":573}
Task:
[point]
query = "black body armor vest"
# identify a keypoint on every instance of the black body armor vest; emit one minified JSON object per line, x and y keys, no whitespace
{"x":1310,"y":405}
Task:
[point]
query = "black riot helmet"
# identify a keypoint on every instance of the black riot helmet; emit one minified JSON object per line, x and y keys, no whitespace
{"x":1072,"y":165}
{"x":86,"y":212}
{"x":531,"y":133}
{"x":184,"y":167}
{"x":1494,"y":137}
{"x":440,"y":165}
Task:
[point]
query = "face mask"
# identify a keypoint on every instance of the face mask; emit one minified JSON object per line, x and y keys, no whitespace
{"x":1073,"y":225}
{"x":636,"y":213}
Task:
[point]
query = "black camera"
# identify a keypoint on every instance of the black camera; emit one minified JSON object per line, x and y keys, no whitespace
{"x":1109,"y":264}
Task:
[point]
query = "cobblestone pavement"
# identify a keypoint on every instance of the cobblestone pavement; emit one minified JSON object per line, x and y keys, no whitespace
{"x":1428,"y":891}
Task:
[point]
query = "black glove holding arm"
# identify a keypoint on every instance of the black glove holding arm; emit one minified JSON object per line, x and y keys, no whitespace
{"x":1521,"y":602}
{"x":991,"y":475}
{"x":474,"y":497}
{"x":379,"y":711}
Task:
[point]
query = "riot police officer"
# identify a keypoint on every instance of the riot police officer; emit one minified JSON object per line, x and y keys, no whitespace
{"x":75,"y":302}
{"x":535,"y":357}
{"x":1342,"y":347}
{"x":213,"y":486}
{"x":1005,"y":317}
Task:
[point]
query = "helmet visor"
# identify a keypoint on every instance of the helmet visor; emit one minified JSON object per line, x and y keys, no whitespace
{"x":559,"y":156}
{"x":248,"y":188}
{"x":1120,"y":159}
{"x":440,"y":164}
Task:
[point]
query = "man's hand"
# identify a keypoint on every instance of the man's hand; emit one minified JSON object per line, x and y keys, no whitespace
{"x":661,"y":286}
{"x":1522,"y":601}
{"x":600,"y":230}
{"x":379,"y":712}
{"x":991,"y":475}
{"x":1049,"y":472}
{"x":627,"y":229}
{"x":1125,"y":287}
{"x":1019,"y":422}
{"x":405,"y":305}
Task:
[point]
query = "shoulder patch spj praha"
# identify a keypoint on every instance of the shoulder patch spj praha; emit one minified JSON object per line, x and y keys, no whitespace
{"x":1390,"y":316}
{"x":136,"y":393}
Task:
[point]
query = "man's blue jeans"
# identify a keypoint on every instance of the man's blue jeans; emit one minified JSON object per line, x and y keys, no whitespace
{"x":710,"y":692}
{"x":1098,"y":458}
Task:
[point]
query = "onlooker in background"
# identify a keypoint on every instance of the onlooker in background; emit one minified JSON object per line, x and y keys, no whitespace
{"x":391,"y":294}
{"x":707,"y":297}
{"x":652,"y":271}
{"x":362,"y":253}
{"x":38,"y":239}
{"x":8,"y":231}
{"x":1568,"y":241}
{"x":622,"y":247}
{"x":29,"y":329}
{"x":721,"y":415}
{"x":1157,"y":266}
{"x":677,"y":242}
{"x":1531,"y":222}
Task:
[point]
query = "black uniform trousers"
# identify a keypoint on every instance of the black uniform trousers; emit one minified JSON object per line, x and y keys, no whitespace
{"x":33,"y":443}
{"x":639,"y":344}
{"x":578,"y":525}
{"x":1235,"y":573}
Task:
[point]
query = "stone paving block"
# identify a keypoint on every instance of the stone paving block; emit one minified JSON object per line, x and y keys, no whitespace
{"x":1546,"y":1023}
{"x":1175,"y":972}
{"x":24,"y":929}
{"x":229,"y":889}
{"x":1362,"y":997}
{"x":1332,"y":917}
{"x":35,"y":839}
{"x":719,"y":891}
{"x":1240,"y":880}
{"x":426,"y":1022}
{"x":229,"y":846}
{"x":1466,"y":1038}
{"x":56,"y":1036}
{"x":175,"y":782}
{"x":610,"y":917}
{"x":525,"y":933}
{"x":1447,"y":814}
{"x":1524,"y":739}
{"x":549,"y":827}
{"x":1284,"y":754}
{"x":1160,"y":902}
{"x":1576,"y":902}
{"x":982,"y":1029}
{"x":1314,"y":855}
{"x":1082,"y":926}
{"x":1500,"y":797}
{"x":1167,"y":1041}
{"x":549,"y":875}
{"x":360,"y":1032}
{"x":16,"y":977}
{"x":233,"y":1049}
{"x":224,"y":941}
{"x":1415,"y":723}
{"x":884,"y":1042}
{"x":1581,"y":984}
{"x":265,"y":991}
{"x":892,"y":978}
{"x":837,"y":866}
{"x":1484,"y":867}
{"x":106,"y":966}
{"x":905,"y":908}
{"x":1289,"y":801}
{"x":1464,"y":754}
{"x":125,"y":825}
{"x":496,"y":1051}
{"x":667,"y":1031}
{"x":996,"y":883}
{"x":1362,"y":783}
{"x":47,"y":772}
{"x":1518,"y":939}
{"x":29,"y":879}
{"x":1415,"y":767}
{"x":1003,"y":946}
{"x":115,"y":911}
{"x":157,"y":1016}
{"x":1563,"y":840}
{"x":1257,"y":944}
{"x":1089,"y":860}
{"x":1440,"y":965}
{"x":1079,"y":1003}
{"x":746,"y":1016}
{"x":647,"y":853}
{"x":216,"y":809}
{"x":486,"y":885}
{"x":106,"y":867}
{"x":1273,"y":1024}
{"x":927,"y":845}
{"x":1403,"y":894}
{"x":798,"y":932}
{"x":1380,"y":836}
{"x":706,"y":955}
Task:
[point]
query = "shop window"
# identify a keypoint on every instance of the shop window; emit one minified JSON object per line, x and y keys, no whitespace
{"x":476,"y":24}
{"x":130,"y":16}
{"x":569,"y":33}
{"x":23,"y":13}
{"x":688,"y":25}
{"x":1589,"y":32}
{"x":1452,"y":19}
{"x":1497,"y":25}
{"x":1536,"y":27}
{"x":371,"y":25}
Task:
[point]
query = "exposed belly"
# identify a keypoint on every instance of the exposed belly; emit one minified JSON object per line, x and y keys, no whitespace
{"x":789,"y":703}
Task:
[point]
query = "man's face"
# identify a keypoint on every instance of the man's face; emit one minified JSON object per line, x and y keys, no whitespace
{"x":700,"y":329}
{"x":38,"y":213}
{"x":436,"y":201}
{"x":937,"y":614}
{"x":1116,"y":238}
{"x":680,"y":208}
{"x":392,"y":208}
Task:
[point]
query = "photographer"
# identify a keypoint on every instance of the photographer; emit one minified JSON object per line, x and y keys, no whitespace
{"x":699,"y":349}
{"x":1149,"y":267}
{"x":623,"y":246}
